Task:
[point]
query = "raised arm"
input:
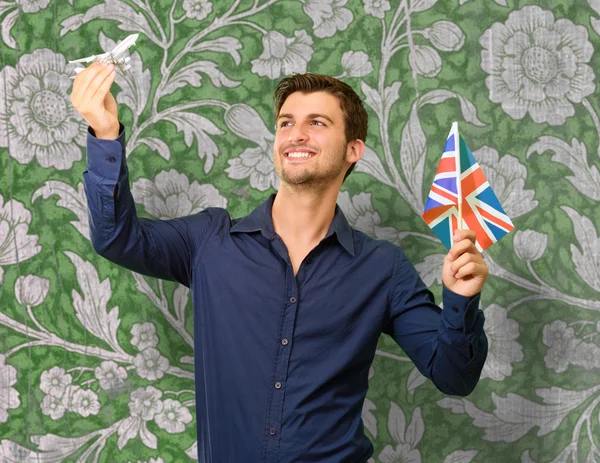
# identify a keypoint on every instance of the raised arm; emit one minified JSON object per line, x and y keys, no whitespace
{"x":159,"y":248}
{"x":448,"y":346}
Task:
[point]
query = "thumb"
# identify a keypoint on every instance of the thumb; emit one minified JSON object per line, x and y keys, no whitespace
{"x":110,"y":104}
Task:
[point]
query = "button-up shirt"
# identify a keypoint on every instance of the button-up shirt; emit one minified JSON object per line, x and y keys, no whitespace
{"x":282,"y":360}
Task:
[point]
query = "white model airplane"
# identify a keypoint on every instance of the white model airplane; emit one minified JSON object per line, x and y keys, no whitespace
{"x":113,"y":56}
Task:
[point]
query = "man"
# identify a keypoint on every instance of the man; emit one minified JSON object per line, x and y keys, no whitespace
{"x":289,"y":302}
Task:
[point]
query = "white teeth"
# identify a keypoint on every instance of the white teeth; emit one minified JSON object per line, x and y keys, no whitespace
{"x":298,"y":154}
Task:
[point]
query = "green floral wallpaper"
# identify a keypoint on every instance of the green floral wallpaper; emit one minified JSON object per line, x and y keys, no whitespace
{"x":96,"y":361}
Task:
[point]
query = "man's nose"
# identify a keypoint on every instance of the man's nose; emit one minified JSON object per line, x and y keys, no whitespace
{"x":298,"y":134}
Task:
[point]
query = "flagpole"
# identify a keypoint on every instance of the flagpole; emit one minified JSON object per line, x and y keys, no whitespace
{"x":458,"y":176}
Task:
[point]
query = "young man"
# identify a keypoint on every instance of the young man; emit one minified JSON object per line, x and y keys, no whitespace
{"x":289,"y":302}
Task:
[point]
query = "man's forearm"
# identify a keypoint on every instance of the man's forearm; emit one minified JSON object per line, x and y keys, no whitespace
{"x":462,"y":345}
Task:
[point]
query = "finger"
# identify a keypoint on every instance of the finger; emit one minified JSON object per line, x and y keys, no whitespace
{"x":464,"y":246}
{"x":471,"y":269}
{"x":463,"y":260}
{"x":460,"y":235}
{"x":84,"y":78}
{"x":95,"y":84}
{"x":104,"y":88}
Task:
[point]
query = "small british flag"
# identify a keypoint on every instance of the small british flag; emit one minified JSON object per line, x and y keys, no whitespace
{"x":479,"y":209}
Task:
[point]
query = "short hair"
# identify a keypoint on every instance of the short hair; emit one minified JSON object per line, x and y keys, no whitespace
{"x":355,"y":115}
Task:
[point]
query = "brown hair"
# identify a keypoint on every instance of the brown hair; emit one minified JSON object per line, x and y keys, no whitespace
{"x":355,"y":115}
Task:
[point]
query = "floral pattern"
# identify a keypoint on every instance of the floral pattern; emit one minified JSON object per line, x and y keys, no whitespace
{"x":283,"y":55}
{"x":329,"y":16}
{"x":16,"y":244}
{"x":197,"y":9}
{"x":504,"y":350}
{"x":255,"y":164}
{"x":9,"y":397}
{"x":144,"y":335}
{"x":150,"y":364}
{"x":104,"y":357}
{"x":171,"y":195}
{"x":537,"y":65}
{"x":110,"y":375}
{"x":37,"y":118}
{"x":173,"y":417}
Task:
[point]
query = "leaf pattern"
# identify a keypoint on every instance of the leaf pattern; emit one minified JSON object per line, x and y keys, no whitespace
{"x":90,"y":304}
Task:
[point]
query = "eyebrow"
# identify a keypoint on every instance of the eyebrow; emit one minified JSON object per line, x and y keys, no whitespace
{"x":310,"y":116}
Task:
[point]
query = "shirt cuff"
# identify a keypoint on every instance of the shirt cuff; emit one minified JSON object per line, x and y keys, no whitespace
{"x":106,"y":158}
{"x":459,"y":311}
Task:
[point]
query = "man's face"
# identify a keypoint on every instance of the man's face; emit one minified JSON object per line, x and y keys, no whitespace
{"x":310,"y":142}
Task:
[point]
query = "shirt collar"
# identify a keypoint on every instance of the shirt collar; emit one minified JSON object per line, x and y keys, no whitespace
{"x":260,"y":219}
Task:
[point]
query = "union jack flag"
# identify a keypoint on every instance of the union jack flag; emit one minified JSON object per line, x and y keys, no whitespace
{"x":481,"y":210}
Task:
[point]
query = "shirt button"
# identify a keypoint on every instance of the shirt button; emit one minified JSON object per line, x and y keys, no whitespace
{"x":112,"y":159}
{"x":455,"y":309}
{"x":277,"y":385}
{"x":284,"y":341}
{"x":293,"y":300}
{"x":272,"y":431}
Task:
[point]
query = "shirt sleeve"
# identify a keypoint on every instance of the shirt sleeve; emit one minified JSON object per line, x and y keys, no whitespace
{"x":158,"y":248}
{"x":448,"y":346}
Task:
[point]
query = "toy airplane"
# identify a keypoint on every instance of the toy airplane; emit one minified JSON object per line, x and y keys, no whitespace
{"x":113,"y":56}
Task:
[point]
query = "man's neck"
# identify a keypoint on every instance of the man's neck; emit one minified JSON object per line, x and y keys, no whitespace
{"x":302,"y":218}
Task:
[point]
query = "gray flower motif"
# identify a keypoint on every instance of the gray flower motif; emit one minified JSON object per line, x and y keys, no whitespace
{"x":55,"y":381}
{"x":504,"y":350}
{"x":32,"y":6}
{"x":425,"y":61}
{"x":405,"y":437}
{"x":52,"y":407}
{"x":197,"y":9}
{"x":283,"y":55}
{"x":174,"y":417}
{"x":356,"y":64}
{"x":9,"y":397}
{"x":110,"y":375}
{"x":445,"y":36}
{"x":403,"y":453}
{"x":31,"y":290}
{"x":361,"y":215}
{"x":329,"y":16}
{"x":537,"y":65}
{"x":530,"y":245}
{"x":560,"y":339}
{"x":171,"y":195}
{"x":255,"y":163}
{"x":85,"y":403}
{"x":587,"y":355}
{"x":37,"y":119}
{"x":150,"y":364}
{"x":507,"y":178}
{"x":376,"y":8}
{"x":16,"y":245}
{"x":145,"y":403}
{"x":144,"y":335}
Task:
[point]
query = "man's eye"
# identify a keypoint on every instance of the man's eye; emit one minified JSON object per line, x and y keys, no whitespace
{"x":284,"y":124}
{"x":318,"y":123}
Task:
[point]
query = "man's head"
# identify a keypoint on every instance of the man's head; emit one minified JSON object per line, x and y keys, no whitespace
{"x":321,"y":129}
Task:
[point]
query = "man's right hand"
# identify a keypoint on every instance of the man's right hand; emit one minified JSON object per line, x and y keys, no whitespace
{"x":91,"y":97}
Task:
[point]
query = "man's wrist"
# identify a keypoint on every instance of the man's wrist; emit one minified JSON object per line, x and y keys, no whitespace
{"x":111,"y":134}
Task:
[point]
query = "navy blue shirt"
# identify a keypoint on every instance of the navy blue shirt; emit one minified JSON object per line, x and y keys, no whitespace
{"x":282,"y":361}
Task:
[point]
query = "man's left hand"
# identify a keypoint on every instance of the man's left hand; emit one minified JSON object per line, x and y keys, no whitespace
{"x":464,"y":270}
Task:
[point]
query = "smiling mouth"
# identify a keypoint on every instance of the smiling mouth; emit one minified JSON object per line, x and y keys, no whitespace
{"x":299,"y":154}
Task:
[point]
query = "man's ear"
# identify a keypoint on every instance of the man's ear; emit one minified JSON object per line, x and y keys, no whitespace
{"x":355,"y":151}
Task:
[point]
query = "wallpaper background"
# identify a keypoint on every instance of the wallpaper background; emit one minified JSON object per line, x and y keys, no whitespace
{"x":96,"y":361}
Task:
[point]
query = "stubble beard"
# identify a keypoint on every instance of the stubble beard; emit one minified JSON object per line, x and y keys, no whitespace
{"x":309,"y":179}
